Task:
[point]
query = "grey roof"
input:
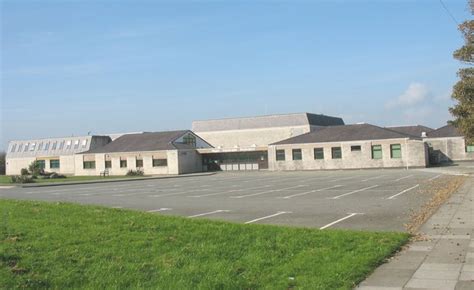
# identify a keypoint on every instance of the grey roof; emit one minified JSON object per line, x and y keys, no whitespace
{"x":267,"y":121}
{"x":52,"y":147}
{"x":147,"y":141}
{"x":357,"y":132}
{"x":415,"y":130}
{"x":446,"y":131}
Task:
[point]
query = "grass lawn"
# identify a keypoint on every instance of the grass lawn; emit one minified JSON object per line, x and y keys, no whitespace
{"x":7,"y":180}
{"x":59,"y":245}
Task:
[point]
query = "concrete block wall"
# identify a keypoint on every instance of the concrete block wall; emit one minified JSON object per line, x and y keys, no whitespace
{"x":189,"y":161}
{"x":350,"y":159}
{"x":450,"y":149}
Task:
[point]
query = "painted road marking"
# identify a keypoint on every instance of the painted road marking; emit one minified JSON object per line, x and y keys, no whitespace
{"x":6,"y":187}
{"x":352,"y":192}
{"x":401,"y":178}
{"x":339,"y":220}
{"x":402,"y":192}
{"x":232,"y":190}
{"x":176,"y":193}
{"x":373,"y":178}
{"x":268,"y":216}
{"x":344,"y":178}
{"x":268,"y":191}
{"x":311,"y":191}
{"x":208,"y":213}
{"x":159,"y":209}
{"x":433,"y":178}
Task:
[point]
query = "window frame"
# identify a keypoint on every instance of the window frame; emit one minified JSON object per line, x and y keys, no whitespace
{"x":356,"y":148}
{"x":53,"y":161}
{"x":107,"y":164}
{"x":318,"y":153}
{"x":374,"y":151}
{"x":469,"y":148}
{"x":336,"y":150}
{"x":155,"y":162}
{"x":279,"y":156}
{"x":41,"y":163}
{"x":299,"y":154}
{"x":392,"y":156}
{"x":123,"y":163}
{"x":136,"y":163}
{"x":90,"y":164}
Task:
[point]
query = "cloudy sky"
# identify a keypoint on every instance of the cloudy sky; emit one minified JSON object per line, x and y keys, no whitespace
{"x":70,"y":67}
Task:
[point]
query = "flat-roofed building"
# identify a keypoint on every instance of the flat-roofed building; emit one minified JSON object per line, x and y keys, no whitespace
{"x":171,"y":152}
{"x":447,"y":144}
{"x":348,"y":147}
{"x":53,"y":154}
{"x":242,"y":143}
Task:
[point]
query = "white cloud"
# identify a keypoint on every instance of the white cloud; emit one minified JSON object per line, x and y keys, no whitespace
{"x":414,"y":94}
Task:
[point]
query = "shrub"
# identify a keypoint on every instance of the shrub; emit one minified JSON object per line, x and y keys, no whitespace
{"x":35,"y":169}
{"x":137,"y":172}
{"x":22,"y":179}
{"x":24,"y":172}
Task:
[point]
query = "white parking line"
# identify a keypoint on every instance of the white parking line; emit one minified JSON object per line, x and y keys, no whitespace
{"x":352,"y":192}
{"x":376,"y":177}
{"x":208,"y":213}
{"x":339,"y":220}
{"x":311,"y":191}
{"x":232,"y":190}
{"x":401,"y":178}
{"x":176,"y":193}
{"x":268,"y":216}
{"x":268,"y":191}
{"x":160,"y":209}
{"x":433,"y":178}
{"x":344,"y":178}
{"x":402,"y":192}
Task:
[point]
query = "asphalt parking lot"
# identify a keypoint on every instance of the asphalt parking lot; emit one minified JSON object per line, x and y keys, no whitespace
{"x":360,"y":199}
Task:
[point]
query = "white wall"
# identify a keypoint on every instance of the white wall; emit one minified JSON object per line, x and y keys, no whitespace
{"x":450,"y":149}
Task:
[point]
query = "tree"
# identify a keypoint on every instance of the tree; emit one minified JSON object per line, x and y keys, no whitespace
{"x":463,"y":90}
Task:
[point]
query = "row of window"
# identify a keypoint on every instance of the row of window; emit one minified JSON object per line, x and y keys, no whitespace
{"x":53,"y":163}
{"x":336,"y":152}
{"x":123,"y":163}
{"x":45,"y":146}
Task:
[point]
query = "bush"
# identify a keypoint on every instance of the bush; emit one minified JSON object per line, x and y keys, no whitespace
{"x":35,"y":168}
{"x":22,"y":179}
{"x":24,"y":172}
{"x":137,"y":172}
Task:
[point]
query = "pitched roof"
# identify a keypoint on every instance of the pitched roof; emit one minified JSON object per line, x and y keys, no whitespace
{"x":268,"y":121}
{"x":411,"y":130}
{"x":147,"y":141}
{"x":356,"y":132}
{"x":446,"y":131}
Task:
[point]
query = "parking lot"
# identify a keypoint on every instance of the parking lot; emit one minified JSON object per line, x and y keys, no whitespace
{"x":359,"y":199}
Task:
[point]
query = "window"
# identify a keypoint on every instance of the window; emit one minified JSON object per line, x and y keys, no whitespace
{"x":54,"y":163}
{"x":160,"y":162}
{"x":68,"y":144}
{"x":356,"y":148}
{"x":336,"y":153}
{"x":61,"y":145}
{"x":26,"y":147}
{"x":396,"y":151}
{"x":13,"y":148}
{"x":297,"y":154}
{"x":123,"y":163}
{"x":89,"y":164}
{"x":139,"y":163}
{"x":41,"y":164}
{"x":40,"y":146}
{"x":108,"y":164}
{"x":55,"y":144}
{"x":84,"y":143}
{"x":376,"y":151}
{"x":20,"y":148}
{"x":318,"y":153}
{"x":280,"y":155}
{"x":190,"y":139}
{"x":76,"y":144}
{"x":33,"y":147}
{"x":470,"y":148}
{"x":46,"y":146}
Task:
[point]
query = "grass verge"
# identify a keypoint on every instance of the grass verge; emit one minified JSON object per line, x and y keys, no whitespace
{"x":6,"y":180}
{"x":60,"y":245}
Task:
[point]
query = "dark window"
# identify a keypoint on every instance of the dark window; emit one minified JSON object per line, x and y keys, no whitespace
{"x":46,"y":146}
{"x":123,"y":163}
{"x":54,"y":163}
{"x":280,"y":155}
{"x":336,"y":153}
{"x":13,"y":148}
{"x":61,"y":145}
{"x":190,"y":139}
{"x":160,"y":162}
{"x":355,"y":148}
{"x":89,"y":164}
{"x":55,"y":144}
{"x":139,"y":163}
{"x":41,"y":164}
{"x":318,"y":153}
{"x":108,"y":164}
{"x":297,"y":154}
{"x":376,"y":151}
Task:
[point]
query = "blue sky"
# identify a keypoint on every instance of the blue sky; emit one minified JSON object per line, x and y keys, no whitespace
{"x":70,"y":67}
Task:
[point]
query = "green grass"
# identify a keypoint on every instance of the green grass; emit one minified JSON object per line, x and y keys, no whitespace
{"x":7,"y":180}
{"x":59,"y":245}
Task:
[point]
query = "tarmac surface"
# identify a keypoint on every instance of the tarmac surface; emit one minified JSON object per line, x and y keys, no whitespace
{"x":377,"y":200}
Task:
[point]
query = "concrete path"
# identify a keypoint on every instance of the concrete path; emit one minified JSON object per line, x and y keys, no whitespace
{"x":444,"y":260}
